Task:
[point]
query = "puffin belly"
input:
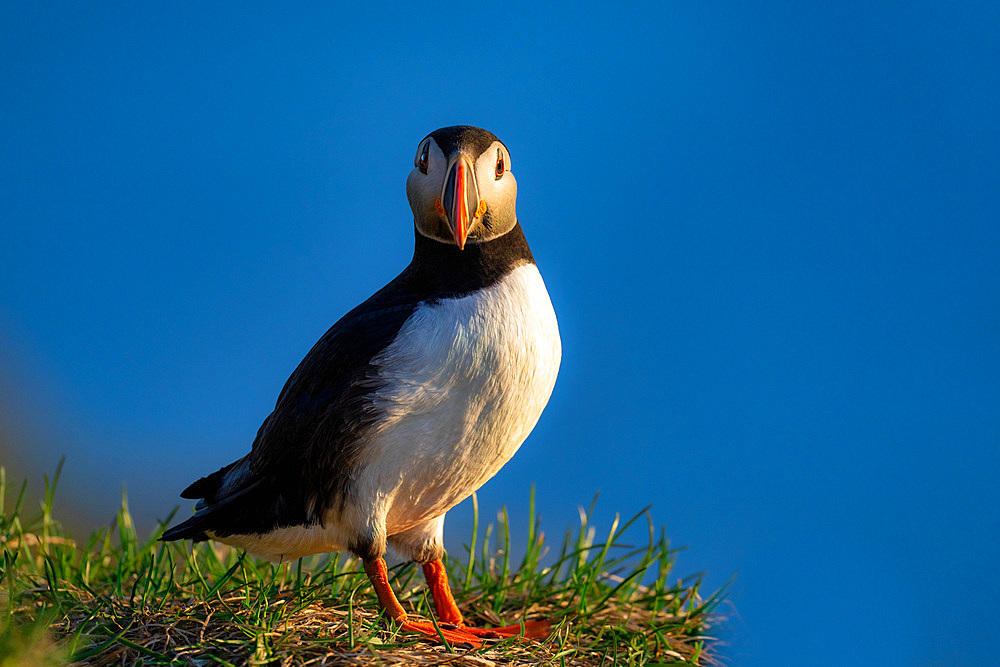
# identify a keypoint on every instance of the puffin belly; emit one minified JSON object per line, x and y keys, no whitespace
{"x":463,"y":384}
{"x":290,"y":542}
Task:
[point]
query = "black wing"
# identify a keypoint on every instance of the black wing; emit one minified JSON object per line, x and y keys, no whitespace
{"x":303,"y":456}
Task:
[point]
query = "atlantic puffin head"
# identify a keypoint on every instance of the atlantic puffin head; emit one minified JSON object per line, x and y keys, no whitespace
{"x":461,"y":188}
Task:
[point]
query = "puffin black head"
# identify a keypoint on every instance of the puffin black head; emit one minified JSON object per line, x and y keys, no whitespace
{"x":461,"y":189}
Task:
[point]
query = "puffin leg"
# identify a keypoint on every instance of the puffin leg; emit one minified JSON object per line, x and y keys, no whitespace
{"x":379,"y":576}
{"x":448,"y":613}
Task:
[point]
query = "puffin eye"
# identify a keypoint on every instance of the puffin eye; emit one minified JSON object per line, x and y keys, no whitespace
{"x":422,"y":157}
{"x":500,"y":164}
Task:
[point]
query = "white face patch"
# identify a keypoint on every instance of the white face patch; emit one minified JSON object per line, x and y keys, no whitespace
{"x":498,"y":195}
{"x":422,"y":189}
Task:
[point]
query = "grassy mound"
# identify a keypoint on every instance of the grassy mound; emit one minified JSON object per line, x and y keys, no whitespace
{"x":118,"y":599}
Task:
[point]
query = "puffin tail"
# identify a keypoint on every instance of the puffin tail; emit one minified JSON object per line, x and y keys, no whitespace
{"x":213,"y":493}
{"x":193,"y":528}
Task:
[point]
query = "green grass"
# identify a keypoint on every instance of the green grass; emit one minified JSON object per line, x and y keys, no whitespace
{"x":120,"y":599}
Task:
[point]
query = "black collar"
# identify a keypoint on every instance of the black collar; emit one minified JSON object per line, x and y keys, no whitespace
{"x":440,"y":270}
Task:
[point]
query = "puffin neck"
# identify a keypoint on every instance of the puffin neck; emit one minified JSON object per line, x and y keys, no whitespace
{"x":446,"y":271}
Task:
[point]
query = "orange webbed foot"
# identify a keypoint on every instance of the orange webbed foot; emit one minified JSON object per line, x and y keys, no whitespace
{"x":457,"y":637}
{"x":437,"y":580}
{"x":531,"y":630}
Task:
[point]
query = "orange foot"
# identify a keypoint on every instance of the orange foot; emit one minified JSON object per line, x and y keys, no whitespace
{"x":457,"y":637}
{"x":451,"y":628}
{"x":532,"y":630}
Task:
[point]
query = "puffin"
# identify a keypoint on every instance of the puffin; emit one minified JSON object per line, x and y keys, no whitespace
{"x":408,"y":403}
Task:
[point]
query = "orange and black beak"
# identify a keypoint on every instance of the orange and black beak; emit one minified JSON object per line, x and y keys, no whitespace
{"x":460,"y":198}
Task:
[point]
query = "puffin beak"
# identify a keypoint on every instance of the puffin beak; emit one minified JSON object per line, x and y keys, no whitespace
{"x":460,"y":198}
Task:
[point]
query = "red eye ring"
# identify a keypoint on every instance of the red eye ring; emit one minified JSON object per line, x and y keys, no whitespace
{"x":500,"y":164}
{"x":422,"y":158}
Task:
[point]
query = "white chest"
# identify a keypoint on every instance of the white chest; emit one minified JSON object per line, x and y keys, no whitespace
{"x":465,"y":381}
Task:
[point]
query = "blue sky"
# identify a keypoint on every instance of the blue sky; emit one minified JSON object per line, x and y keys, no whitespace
{"x":770,"y":235}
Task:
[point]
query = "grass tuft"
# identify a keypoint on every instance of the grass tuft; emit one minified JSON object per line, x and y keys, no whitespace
{"x":119,"y":599}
